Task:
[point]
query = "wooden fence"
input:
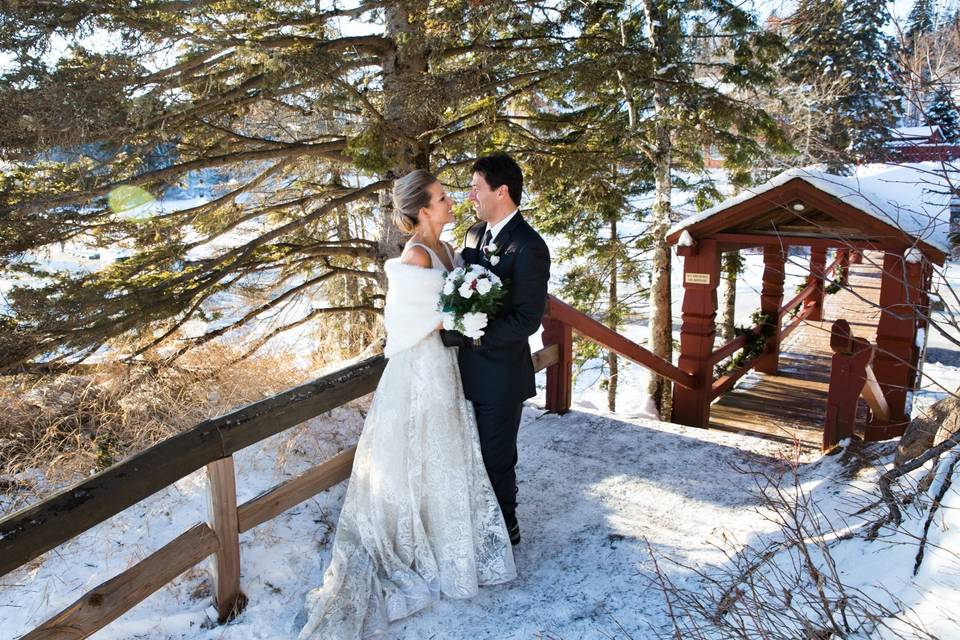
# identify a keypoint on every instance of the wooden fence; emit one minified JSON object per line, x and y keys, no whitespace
{"x":32,"y":531}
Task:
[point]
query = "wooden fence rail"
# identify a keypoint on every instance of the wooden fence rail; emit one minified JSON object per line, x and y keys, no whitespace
{"x":30,"y":532}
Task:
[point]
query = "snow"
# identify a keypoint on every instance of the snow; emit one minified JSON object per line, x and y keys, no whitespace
{"x":913,"y":255}
{"x":686,"y":240}
{"x":594,"y":491}
{"x":915,"y":133}
{"x":912,"y":197}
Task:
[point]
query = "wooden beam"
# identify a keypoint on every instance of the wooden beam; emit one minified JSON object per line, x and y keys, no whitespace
{"x":268,"y":417}
{"x":222,"y":510}
{"x":610,"y":339}
{"x":779,"y":240}
{"x":34,"y":530}
{"x":107,"y":602}
{"x":275,"y":501}
{"x":548,"y":356}
{"x":873,"y":394}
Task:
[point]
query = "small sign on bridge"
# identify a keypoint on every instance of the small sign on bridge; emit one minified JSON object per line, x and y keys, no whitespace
{"x":697,"y":278}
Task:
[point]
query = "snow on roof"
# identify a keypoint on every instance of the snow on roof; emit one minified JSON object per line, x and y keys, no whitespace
{"x":924,"y":132}
{"x":912,"y":197}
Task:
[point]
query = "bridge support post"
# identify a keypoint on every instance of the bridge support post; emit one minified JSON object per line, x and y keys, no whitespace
{"x":560,"y":375}
{"x":902,"y":300}
{"x":818,"y":266}
{"x":701,"y":275}
{"x":771,"y":299}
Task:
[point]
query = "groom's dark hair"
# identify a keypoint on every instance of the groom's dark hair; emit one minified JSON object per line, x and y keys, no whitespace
{"x":499,"y":169}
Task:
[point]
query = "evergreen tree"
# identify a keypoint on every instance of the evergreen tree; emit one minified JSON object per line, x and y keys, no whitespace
{"x":943,"y":112}
{"x":872,"y":102}
{"x":664,"y":81}
{"x":841,"y":64}
{"x":309,"y":124}
{"x":920,"y":21}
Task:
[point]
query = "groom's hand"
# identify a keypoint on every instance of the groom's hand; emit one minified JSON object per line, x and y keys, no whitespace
{"x":454,"y":339}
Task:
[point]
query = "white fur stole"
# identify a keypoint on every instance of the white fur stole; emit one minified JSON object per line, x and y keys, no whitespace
{"x":410,"y":313}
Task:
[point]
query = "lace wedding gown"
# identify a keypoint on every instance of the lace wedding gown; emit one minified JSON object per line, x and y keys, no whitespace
{"x":420,"y":518}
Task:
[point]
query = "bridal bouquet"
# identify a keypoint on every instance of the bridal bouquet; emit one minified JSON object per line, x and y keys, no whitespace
{"x":470,"y":295}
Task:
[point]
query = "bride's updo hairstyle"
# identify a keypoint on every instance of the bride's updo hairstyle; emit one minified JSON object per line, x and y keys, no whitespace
{"x":409,"y":196}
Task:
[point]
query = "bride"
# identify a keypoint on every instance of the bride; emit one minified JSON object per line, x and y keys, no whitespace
{"x":420,"y":518}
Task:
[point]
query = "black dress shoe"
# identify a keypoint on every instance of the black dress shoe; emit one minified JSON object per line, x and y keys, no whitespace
{"x":513,"y":528}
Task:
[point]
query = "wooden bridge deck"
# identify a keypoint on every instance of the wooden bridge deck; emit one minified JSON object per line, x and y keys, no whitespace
{"x":790,"y":406}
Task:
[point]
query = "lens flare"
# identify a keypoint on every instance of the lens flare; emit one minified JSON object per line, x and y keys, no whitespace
{"x":128,"y":197}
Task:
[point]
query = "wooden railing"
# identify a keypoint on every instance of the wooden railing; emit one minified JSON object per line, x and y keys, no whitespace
{"x":34,"y":530}
{"x":851,"y":377}
{"x":809,"y":298}
{"x":559,"y":323}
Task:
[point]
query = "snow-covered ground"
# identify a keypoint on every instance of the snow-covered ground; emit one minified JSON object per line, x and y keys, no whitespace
{"x":594,"y":491}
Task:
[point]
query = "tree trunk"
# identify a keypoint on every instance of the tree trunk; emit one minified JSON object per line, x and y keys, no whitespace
{"x":661,"y":323}
{"x":613,"y":303}
{"x":405,"y":67}
{"x":731,"y":268}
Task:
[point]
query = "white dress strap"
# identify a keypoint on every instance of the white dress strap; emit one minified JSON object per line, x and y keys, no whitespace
{"x":435,"y":260}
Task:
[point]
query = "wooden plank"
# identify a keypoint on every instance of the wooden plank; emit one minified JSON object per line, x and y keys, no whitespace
{"x":107,"y":602}
{"x":263,"y":419}
{"x":34,"y":530}
{"x":873,"y":394}
{"x":610,"y":339}
{"x":222,"y":510}
{"x":275,"y":501}
{"x":30,"y":532}
{"x":548,"y":356}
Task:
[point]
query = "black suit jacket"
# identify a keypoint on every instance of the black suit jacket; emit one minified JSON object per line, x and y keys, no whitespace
{"x":499,"y":369}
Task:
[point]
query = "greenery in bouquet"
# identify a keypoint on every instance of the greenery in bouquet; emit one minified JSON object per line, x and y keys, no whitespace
{"x":470,"y":296}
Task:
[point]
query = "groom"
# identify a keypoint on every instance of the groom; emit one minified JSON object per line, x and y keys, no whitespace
{"x":498,"y":373}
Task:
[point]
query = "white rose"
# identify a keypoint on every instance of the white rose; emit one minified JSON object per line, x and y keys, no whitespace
{"x":474,"y":271}
{"x":483,"y":286}
{"x":473,"y":324}
{"x":494,"y":278}
{"x":492,"y":248}
{"x":449,"y":321}
{"x":448,"y":287}
{"x":465,"y":290}
{"x":494,"y":260}
{"x":459,"y":272}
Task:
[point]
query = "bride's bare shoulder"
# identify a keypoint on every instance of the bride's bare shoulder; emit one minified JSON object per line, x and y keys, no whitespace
{"x":416,"y":256}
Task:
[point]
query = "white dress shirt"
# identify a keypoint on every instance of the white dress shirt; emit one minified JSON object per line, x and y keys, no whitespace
{"x":495,"y":230}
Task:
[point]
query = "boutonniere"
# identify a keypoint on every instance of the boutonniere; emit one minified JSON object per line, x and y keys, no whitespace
{"x":491,"y":253}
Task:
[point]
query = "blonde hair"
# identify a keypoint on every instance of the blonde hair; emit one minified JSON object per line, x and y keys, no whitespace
{"x":409,"y":196}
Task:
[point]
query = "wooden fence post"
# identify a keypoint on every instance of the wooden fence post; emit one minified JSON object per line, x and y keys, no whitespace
{"x":222,"y":512}
{"x":560,"y":375}
{"x":851,"y":357}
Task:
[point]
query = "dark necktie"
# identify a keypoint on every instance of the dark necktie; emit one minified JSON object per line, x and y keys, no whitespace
{"x":487,"y":239}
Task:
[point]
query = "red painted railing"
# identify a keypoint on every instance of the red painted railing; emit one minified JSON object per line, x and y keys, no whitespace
{"x":559,"y":323}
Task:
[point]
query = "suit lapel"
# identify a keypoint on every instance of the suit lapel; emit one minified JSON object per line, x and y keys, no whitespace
{"x":504,"y":236}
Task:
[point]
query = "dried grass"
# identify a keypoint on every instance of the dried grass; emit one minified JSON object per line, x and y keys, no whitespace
{"x":61,"y":427}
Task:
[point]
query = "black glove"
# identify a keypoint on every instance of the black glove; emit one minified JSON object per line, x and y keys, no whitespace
{"x":454,"y":339}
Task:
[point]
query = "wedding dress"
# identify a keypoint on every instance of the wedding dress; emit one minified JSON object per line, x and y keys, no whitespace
{"x":420,"y":518}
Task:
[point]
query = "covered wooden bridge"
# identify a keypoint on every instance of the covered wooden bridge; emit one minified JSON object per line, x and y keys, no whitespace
{"x":896,"y":218}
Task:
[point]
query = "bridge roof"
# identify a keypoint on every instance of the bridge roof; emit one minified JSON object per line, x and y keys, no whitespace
{"x":887,"y":204}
